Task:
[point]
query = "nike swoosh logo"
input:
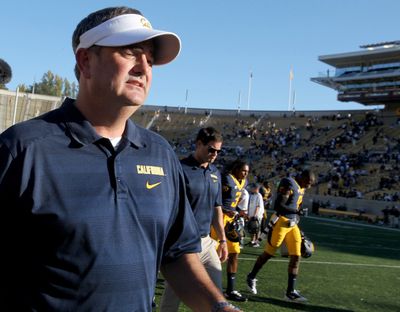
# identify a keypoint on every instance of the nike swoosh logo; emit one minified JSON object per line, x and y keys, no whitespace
{"x":150,"y":186}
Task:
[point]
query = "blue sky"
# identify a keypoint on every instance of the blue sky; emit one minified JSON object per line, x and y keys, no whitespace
{"x":222,"y":42}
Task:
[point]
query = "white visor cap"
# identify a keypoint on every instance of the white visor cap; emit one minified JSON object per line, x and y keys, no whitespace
{"x":129,"y":29}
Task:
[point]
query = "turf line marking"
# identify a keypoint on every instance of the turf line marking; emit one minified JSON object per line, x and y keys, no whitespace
{"x":333,"y":263}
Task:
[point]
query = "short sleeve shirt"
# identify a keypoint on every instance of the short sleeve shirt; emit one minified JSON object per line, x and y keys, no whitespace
{"x":203,"y":187}
{"x":86,"y":227}
{"x":255,"y":201}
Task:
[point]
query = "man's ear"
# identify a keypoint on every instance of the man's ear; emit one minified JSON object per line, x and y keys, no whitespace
{"x":198,"y":143}
{"x":82,"y":58}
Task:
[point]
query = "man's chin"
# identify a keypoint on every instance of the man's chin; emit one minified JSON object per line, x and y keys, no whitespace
{"x":134,"y":101}
{"x":135,"y":98}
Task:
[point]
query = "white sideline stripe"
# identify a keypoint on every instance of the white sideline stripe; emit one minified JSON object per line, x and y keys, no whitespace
{"x":333,"y":263}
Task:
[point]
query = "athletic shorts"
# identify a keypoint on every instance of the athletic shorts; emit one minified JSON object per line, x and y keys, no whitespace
{"x":283,"y":232}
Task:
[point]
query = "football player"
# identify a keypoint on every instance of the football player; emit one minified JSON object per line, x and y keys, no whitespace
{"x":232,"y":185}
{"x":288,"y":202}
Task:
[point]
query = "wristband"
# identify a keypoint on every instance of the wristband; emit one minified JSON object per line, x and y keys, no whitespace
{"x":218,"y":307}
{"x":222,"y":241}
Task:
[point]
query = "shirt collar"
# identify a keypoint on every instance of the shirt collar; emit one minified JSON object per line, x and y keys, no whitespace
{"x":83,"y":132}
{"x":240,"y":184}
{"x":134,"y":134}
{"x":191,"y":161}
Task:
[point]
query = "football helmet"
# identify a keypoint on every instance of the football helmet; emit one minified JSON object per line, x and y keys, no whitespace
{"x":307,"y":246}
{"x":232,"y":231}
{"x":253,"y":226}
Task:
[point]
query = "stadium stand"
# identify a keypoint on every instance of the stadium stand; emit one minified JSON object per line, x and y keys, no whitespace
{"x":355,"y":154}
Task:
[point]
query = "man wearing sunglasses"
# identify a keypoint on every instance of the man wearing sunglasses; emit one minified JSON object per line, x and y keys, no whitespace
{"x":203,"y":185}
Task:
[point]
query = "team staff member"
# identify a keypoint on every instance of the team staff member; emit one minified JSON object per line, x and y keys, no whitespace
{"x":287,"y":205}
{"x":255,"y":210}
{"x":233,"y":182}
{"x":92,"y":204}
{"x":203,"y":185}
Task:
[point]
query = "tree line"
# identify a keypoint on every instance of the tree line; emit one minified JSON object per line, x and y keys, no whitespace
{"x":50,"y":84}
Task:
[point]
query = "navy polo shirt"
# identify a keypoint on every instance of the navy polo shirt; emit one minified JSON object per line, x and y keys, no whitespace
{"x":203,"y":186}
{"x":85,"y":227}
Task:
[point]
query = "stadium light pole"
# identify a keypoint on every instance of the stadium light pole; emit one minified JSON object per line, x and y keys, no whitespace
{"x":34,"y":83}
{"x":239,"y":101}
{"x":15,"y":106}
{"x":290,"y":87}
{"x":249,"y":93}
{"x":186,"y":100}
{"x":294,"y":101}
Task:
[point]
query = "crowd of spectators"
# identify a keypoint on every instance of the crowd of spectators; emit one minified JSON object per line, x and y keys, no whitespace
{"x":351,"y":147}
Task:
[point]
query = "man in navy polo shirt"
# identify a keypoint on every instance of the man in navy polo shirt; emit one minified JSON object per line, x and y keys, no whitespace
{"x":92,"y":204}
{"x":203,"y":185}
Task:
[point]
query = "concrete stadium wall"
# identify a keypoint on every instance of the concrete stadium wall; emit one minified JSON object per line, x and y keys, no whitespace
{"x":353,"y":204}
{"x":18,"y":106}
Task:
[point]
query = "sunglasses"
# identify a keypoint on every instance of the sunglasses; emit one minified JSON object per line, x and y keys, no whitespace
{"x":212,"y":150}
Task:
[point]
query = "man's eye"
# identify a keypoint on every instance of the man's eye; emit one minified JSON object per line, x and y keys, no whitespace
{"x":130,"y":52}
{"x":136,"y":53}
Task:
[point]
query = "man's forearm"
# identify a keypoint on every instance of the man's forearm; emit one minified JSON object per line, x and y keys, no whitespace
{"x":190,"y":281}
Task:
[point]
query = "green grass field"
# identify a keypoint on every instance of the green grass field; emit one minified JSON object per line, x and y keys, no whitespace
{"x":354,"y":268}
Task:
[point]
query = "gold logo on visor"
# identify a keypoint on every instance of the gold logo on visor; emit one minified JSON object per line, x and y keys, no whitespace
{"x":145,"y":23}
